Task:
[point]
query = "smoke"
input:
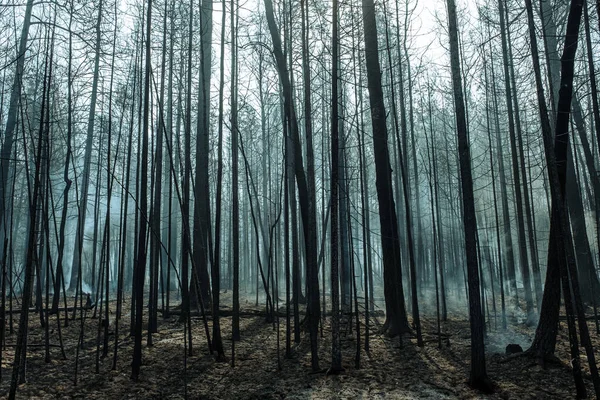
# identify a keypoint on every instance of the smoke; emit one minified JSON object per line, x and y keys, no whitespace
{"x":86,"y":288}
{"x":497,"y":340}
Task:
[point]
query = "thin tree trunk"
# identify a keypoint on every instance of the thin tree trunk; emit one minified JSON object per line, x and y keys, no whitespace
{"x":216,"y":267}
{"x":18,"y":372}
{"x":140,"y":265}
{"x":87,"y":158}
{"x":235,"y":206}
{"x":336,"y":350}
{"x":13,"y":109}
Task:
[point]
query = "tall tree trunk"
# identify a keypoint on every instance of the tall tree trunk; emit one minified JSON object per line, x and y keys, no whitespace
{"x":11,"y":118}
{"x":202,"y":223}
{"x":235,"y":206}
{"x":403,"y":166}
{"x":308,"y":125}
{"x":507,"y":253}
{"x":513,"y":132}
{"x":68,"y":182}
{"x":155,"y":210}
{"x":561,"y":245}
{"x":496,"y":214}
{"x":216,"y":267}
{"x":186,"y":245}
{"x":478,"y":376}
{"x":87,"y":158}
{"x":140,"y":265}
{"x":396,"y":320}
{"x":307,"y":202}
{"x":336,"y":350}
{"x":31,"y":259}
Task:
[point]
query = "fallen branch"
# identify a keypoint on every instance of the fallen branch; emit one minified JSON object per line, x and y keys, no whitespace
{"x":51,"y":311}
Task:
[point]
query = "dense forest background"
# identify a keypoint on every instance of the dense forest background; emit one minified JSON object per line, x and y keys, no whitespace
{"x":345,"y":187}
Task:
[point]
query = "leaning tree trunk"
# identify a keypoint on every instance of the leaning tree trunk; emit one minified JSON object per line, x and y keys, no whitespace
{"x":13,"y":109}
{"x":31,"y":259}
{"x":307,"y":201}
{"x":556,"y":157}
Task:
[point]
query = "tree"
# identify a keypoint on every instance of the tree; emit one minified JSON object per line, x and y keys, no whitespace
{"x":478,"y":376}
{"x":202,"y":241}
{"x":18,"y":372}
{"x":396,"y":320}
{"x":140,"y":264}
{"x":216,"y":267}
{"x":560,"y":234}
{"x":235,"y":206}
{"x":13,"y":109}
{"x":336,"y":351}
{"x":87,"y":158}
{"x":306,"y":200}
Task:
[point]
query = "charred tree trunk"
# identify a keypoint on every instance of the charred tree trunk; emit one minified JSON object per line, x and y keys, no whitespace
{"x":396,"y":320}
{"x":478,"y":376}
{"x":87,"y":158}
{"x":140,"y":265}
{"x":307,"y":202}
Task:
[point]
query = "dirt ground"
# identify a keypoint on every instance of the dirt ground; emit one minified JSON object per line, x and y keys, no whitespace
{"x":392,"y":369}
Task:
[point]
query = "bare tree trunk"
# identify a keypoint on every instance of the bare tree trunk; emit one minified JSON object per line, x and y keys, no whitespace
{"x":186,"y":244}
{"x":496,"y":214}
{"x":308,"y":126}
{"x":336,"y":351}
{"x":68,"y":182}
{"x":403,"y":163}
{"x":438,"y":213}
{"x":478,"y":376}
{"x":557,"y":160}
{"x":18,"y":372}
{"x":140,"y":265}
{"x":216,"y":267}
{"x":235,"y":206}
{"x":202,"y":223}
{"x":307,"y":202}
{"x":362,"y":180}
{"x":155,"y":209}
{"x":87,"y":158}
{"x":514,"y":131}
{"x":13,"y":109}
{"x":396,"y":320}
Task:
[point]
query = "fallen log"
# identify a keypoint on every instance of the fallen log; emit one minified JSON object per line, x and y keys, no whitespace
{"x":588,"y":318}
{"x":68,"y":309}
{"x":251,"y":313}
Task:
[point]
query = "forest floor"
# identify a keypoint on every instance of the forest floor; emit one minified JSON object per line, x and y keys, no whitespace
{"x":392,"y":369}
